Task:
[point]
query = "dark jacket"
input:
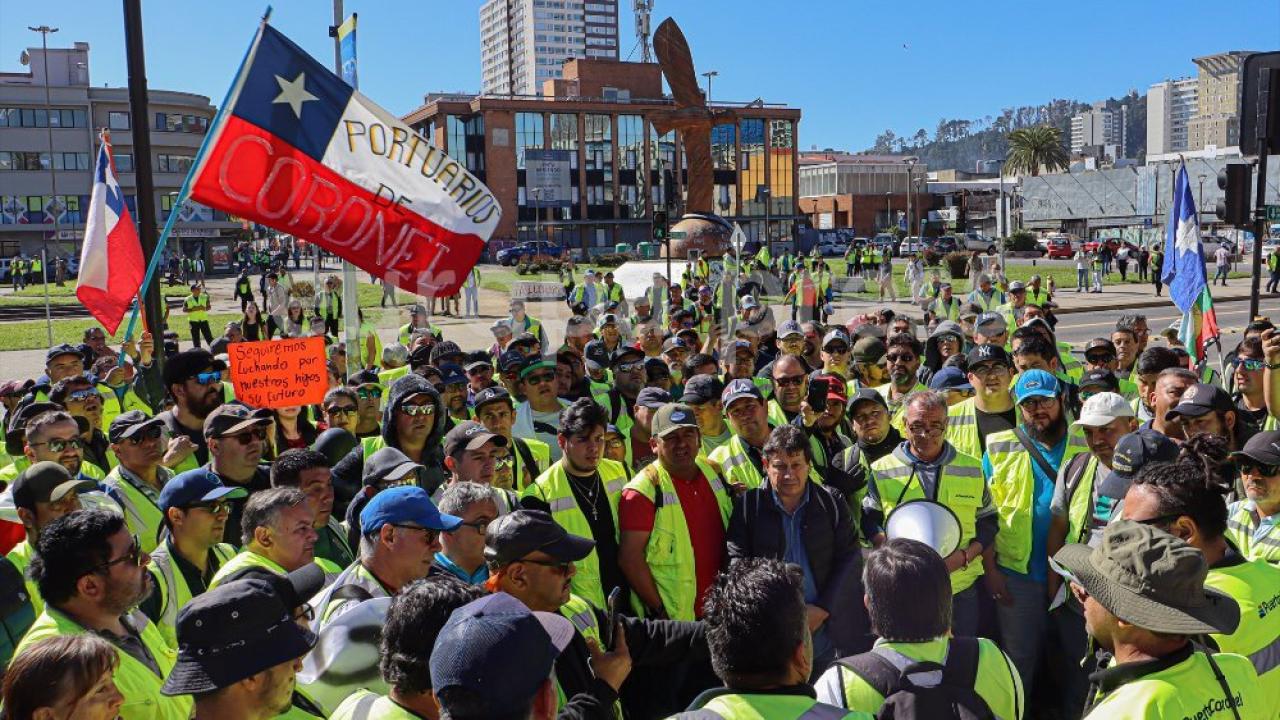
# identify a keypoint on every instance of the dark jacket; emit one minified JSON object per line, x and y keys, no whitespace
{"x":755,"y":530}
{"x":348,"y":472}
{"x":652,"y":643}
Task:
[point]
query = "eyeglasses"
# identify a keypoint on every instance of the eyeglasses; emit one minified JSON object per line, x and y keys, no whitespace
{"x":369,"y":393}
{"x":480,"y":526}
{"x":58,"y":445}
{"x":922,"y":429}
{"x":539,"y":378}
{"x":1037,"y":402}
{"x":836,"y":349}
{"x":154,"y":432}
{"x":1250,"y":364}
{"x":1252,"y":467}
{"x":988,"y":369}
{"x":133,"y":557}
{"x":208,"y":378}
{"x":428,"y":534}
{"x":789,"y":380}
{"x":216,"y":507}
{"x":630,"y":367}
{"x":615,"y":444}
{"x":416,"y":410}
{"x":900,"y":357}
{"x":561,"y":567}
{"x":245,"y":438}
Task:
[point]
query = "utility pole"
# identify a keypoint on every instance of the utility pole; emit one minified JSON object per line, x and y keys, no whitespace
{"x":350,"y":297}
{"x":146,"y":197}
{"x":44,"y":31}
{"x":709,"y":75}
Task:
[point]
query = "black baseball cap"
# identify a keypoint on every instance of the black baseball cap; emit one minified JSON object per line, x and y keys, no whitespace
{"x":702,"y":389}
{"x":867,"y":394}
{"x":452,"y":374}
{"x":1138,"y":448}
{"x":737,"y":389}
{"x":231,"y":418}
{"x":446,"y":350}
{"x":469,"y":435}
{"x":1100,"y":344}
{"x":596,"y":355}
{"x":477,"y":360}
{"x":364,"y":377}
{"x":63,"y":349}
{"x":492,"y":394}
{"x":232,"y":632}
{"x":1104,"y":378}
{"x":626,"y":351}
{"x":653,"y":398}
{"x":510,"y":361}
{"x":189,"y":363}
{"x":45,"y":482}
{"x":126,"y":425}
{"x":1262,"y":448}
{"x":1200,"y":399}
{"x":516,"y":534}
{"x":988,"y":353}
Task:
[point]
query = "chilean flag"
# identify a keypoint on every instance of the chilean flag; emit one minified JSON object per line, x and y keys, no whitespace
{"x":299,"y":150}
{"x":111,"y":265}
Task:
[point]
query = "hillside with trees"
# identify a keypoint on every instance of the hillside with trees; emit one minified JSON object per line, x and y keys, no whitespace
{"x":960,"y":144}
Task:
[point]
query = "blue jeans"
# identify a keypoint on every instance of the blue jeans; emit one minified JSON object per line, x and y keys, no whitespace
{"x":1082,"y":278}
{"x":964,"y":611}
{"x":1022,"y":625}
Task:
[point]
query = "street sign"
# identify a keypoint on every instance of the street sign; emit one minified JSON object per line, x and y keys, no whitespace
{"x":678,"y":234}
{"x":1146,"y":222}
{"x":1273,"y":213}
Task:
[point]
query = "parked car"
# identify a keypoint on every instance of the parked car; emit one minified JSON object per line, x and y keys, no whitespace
{"x":911,"y":244}
{"x":1058,"y":246}
{"x":832,"y":246}
{"x":981,"y":243}
{"x":526,"y":251}
{"x":886,"y":242}
{"x":946,"y":244}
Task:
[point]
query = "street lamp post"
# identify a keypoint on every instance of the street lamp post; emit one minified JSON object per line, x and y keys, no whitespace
{"x":768,"y":233}
{"x":1200,"y":198}
{"x":44,"y":31}
{"x":708,"y":75}
{"x":888,"y":209}
{"x":911,"y":165}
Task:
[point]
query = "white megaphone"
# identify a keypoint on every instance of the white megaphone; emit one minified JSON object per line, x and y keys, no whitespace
{"x":931,"y":523}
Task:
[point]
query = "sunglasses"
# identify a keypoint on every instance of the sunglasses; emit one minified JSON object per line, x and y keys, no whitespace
{"x":217,"y":507}
{"x":836,"y":349}
{"x":789,"y":380}
{"x":151,"y":433}
{"x":561,"y":567}
{"x":85,"y":395}
{"x":1250,"y":364}
{"x":339,"y":410}
{"x":208,"y":378}
{"x":630,"y":367}
{"x":133,"y":557}
{"x":1099,"y":359}
{"x":369,"y":393}
{"x":900,"y":357}
{"x":60,"y":445}
{"x":416,"y":410}
{"x":1252,"y":467}
{"x":245,"y":438}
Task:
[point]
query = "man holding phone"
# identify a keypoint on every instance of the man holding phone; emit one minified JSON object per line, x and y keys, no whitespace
{"x":822,"y":419}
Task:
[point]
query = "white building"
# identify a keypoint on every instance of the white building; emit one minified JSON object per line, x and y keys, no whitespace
{"x":524,"y":42}
{"x":1170,"y":107}
{"x":1100,"y":126}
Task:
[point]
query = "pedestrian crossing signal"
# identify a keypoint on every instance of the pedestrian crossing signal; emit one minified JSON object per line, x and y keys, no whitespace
{"x":659,"y":225}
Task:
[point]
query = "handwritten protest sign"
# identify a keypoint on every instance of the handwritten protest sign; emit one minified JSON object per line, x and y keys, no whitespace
{"x":279,"y":373}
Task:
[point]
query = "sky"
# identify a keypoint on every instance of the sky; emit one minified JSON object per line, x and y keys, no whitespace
{"x":854,"y":67}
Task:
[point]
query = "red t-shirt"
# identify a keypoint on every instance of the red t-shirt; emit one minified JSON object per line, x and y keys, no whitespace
{"x":701,"y":514}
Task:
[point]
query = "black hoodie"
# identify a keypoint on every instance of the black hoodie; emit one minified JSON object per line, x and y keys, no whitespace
{"x":348,"y":472}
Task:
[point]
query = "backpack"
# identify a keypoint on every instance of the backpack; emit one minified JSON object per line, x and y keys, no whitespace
{"x":924,"y":690}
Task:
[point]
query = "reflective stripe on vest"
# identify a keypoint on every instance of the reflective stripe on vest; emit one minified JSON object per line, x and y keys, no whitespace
{"x":669,"y":552}
{"x":1242,"y":525}
{"x":1080,"y":504}
{"x":1255,"y":586}
{"x":553,"y":488}
{"x":736,"y":462}
{"x":962,"y":428}
{"x":172,"y":584}
{"x":960,"y":487}
{"x":774,"y":707}
{"x":243,"y":560}
{"x":1012,"y":486}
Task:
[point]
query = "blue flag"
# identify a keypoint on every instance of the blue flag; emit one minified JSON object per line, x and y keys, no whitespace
{"x":1184,"y":270}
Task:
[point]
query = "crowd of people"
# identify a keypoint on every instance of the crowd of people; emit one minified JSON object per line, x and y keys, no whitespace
{"x":677,"y":511}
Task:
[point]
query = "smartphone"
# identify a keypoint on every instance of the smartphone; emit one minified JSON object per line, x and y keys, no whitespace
{"x":611,"y":620}
{"x":817,"y":398}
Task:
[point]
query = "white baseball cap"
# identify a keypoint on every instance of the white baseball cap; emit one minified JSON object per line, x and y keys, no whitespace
{"x":1102,"y":409}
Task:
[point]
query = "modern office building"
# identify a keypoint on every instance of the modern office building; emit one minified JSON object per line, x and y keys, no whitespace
{"x":866,"y":193}
{"x":1100,"y":126}
{"x":525,"y":42}
{"x":1217,"y":122}
{"x":1170,"y":107}
{"x":31,"y":212}
{"x":583,"y":165}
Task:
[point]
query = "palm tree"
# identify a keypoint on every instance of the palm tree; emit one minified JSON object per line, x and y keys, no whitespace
{"x":1033,"y":147}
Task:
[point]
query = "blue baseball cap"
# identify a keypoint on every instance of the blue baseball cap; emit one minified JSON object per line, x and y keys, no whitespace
{"x":738,"y":389}
{"x":405,"y":504}
{"x":1035,"y":383}
{"x":496,"y":637}
{"x":950,"y":378}
{"x":452,"y":374}
{"x":196,"y":486}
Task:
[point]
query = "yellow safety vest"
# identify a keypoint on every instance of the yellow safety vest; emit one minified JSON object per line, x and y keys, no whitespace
{"x":139,"y":685}
{"x":745,"y":706}
{"x":197,"y":308}
{"x":113,"y":405}
{"x":960,"y":487}
{"x":1242,"y":527}
{"x":579,"y":612}
{"x":541,"y":454}
{"x":962,"y":428}
{"x":386,"y":377}
{"x":327,"y":305}
{"x":141,"y":513}
{"x":1080,"y":503}
{"x":897,"y":409}
{"x":733,"y":458}
{"x":1255,"y":585}
{"x":173,"y":588}
{"x":20,"y":556}
{"x":368,"y":705}
{"x":1186,"y":689}
{"x":552,"y":487}
{"x":669,"y":552}
{"x":244,"y":559}
{"x":1012,"y":486}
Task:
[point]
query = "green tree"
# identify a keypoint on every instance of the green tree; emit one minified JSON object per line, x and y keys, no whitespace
{"x":1033,"y":147}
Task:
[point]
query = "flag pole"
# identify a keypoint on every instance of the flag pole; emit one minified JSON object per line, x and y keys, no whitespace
{"x":147,"y":293}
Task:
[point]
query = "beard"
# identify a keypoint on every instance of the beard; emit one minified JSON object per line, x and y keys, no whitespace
{"x":202,"y":406}
{"x":1052,"y":432}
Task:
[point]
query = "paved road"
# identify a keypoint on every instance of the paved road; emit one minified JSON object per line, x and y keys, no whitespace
{"x":1232,"y":318}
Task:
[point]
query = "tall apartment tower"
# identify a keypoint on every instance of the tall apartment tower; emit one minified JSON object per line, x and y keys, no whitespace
{"x":524,"y":42}
{"x":1170,"y":107}
{"x":1219,"y":81}
{"x":1100,"y":126}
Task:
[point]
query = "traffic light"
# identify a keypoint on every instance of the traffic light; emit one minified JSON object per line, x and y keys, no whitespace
{"x":660,"y":225}
{"x":1235,"y":180}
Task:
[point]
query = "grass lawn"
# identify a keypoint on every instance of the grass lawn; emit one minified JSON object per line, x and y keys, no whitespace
{"x":69,"y":290}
